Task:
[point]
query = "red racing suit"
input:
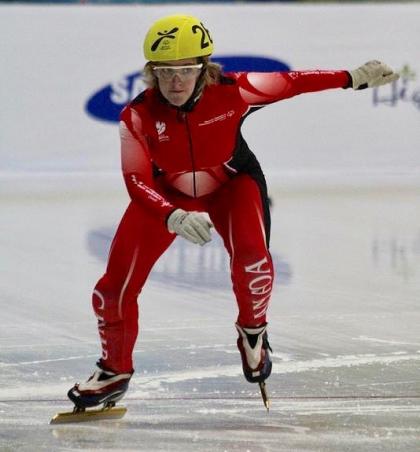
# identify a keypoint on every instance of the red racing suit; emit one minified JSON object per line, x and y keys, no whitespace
{"x":194,"y":157}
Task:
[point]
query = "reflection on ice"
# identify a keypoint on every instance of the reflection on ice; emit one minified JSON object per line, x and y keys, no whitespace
{"x":184,"y":264}
{"x":400,"y":253}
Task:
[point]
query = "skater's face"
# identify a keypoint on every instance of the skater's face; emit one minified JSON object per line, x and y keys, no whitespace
{"x":177,"y":79}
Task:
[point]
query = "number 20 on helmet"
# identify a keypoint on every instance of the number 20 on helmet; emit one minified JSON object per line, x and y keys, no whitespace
{"x":177,"y":37}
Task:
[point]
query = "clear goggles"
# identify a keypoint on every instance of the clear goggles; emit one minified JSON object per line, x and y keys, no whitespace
{"x":185,"y":73}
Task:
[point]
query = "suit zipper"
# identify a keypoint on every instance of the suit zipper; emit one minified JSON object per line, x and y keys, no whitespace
{"x":191,"y":149}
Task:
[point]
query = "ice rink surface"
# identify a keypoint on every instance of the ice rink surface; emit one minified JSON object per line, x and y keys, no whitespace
{"x":345,"y":312}
{"x":343,"y":324}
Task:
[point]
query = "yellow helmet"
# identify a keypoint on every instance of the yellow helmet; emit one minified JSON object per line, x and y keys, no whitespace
{"x":177,"y":37}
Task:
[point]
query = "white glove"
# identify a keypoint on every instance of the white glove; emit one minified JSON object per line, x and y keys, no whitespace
{"x":371,"y":74}
{"x":193,"y":226}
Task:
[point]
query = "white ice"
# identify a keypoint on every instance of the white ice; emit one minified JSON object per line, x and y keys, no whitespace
{"x":343,"y":324}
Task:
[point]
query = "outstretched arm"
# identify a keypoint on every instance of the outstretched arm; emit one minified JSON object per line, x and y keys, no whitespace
{"x":262,"y":88}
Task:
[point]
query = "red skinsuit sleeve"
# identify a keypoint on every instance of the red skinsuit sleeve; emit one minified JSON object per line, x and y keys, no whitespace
{"x":137,"y":165}
{"x":261,"y":88}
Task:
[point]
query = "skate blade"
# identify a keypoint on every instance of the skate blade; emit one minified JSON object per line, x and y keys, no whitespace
{"x":264,"y":395}
{"x":89,"y":415}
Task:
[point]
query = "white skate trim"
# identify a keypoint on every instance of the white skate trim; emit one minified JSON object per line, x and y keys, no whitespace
{"x":115,"y":397}
{"x":94,"y":385}
{"x":257,"y":330}
{"x":253,"y":355}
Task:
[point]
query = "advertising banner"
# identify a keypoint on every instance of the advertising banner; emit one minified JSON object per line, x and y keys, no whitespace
{"x":67,"y":71}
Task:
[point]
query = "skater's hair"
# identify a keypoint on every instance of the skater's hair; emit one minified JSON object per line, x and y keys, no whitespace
{"x":211,"y":74}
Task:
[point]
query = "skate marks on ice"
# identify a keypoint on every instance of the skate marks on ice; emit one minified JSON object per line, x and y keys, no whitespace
{"x":341,"y":377}
{"x":222,"y":425}
{"x":212,"y":409}
{"x":204,"y":379}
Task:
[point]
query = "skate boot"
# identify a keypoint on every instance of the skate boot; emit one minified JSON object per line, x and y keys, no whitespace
{"x":103,"y":387}
{"x":254,"y":347}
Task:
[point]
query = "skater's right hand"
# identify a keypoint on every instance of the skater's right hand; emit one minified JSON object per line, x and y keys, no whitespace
{"x":193,"y":226}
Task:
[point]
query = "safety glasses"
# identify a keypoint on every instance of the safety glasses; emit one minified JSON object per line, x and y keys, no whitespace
{"x":185,"y":73}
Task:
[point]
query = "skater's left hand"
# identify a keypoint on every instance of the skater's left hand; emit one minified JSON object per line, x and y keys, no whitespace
{"x":372,"y":74}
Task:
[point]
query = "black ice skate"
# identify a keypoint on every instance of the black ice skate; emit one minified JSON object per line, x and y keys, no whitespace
{"x":103,"y":387}
{"x":256,"y":363}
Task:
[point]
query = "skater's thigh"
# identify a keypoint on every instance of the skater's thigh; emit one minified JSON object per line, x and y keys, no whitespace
{"x":142,"y":235}
{"x":238,"y":214}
